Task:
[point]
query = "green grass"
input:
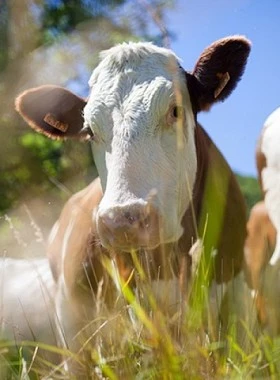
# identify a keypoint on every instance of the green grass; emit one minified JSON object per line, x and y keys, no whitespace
{"x":194,"y":341}
{"x":199,"y":343}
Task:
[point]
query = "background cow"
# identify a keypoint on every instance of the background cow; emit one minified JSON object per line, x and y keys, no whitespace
{"x":262,"y":247}
{"x":27,"y":309}
{"x":163,"y":183}
{"x":268,"y":159}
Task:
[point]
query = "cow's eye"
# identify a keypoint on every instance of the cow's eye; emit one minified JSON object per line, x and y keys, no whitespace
{"x":178,"y":112}
{"x":175,"y":113}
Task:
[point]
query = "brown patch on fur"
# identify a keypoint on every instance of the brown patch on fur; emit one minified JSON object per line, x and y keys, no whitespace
{"x":78,"y":210}
{"x":229,"y":259}
{"x":261,"y":309}
{"x":259,"y":245}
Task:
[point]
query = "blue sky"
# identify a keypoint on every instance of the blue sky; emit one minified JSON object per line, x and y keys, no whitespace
{"x":235,"y":124}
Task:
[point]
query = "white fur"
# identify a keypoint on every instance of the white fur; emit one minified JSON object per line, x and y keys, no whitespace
{"x":271,"y":174}
{"x":135,"y":150}
{"x":27,"y":300}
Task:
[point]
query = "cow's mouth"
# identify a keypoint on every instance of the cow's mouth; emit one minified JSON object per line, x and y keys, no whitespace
{"x":128,"y":242}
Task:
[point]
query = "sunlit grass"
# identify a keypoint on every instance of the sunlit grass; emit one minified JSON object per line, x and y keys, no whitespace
{"x":204,"y":344}
{"x":143,"y":340}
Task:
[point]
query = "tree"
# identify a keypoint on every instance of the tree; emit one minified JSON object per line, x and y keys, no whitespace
{"x":3,"y":34}
{"x":251,"y":190}
{"x":60,"y":17}
{"x":43,"y":41}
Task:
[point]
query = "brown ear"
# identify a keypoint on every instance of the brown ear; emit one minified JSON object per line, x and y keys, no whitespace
{"x":53,"y":111}
{"x":217,"y":71}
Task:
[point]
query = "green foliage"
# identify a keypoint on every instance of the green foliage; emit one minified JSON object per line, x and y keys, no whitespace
{"x":251,"y":190}
{"x":27,"y":171}
{"x":45,"y":150}
{"x":62,"y":16}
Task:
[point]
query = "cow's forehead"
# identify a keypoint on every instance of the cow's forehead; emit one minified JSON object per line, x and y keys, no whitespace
{"x":143,"y":58}
{"x":132,"y":78}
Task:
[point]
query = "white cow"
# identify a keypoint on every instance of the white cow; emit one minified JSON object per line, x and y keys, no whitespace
{"x":268,"y":162}
{"x":27,"y":293}
{"x":162,"y":179}
{"x":262,"y":248}
{"x":27,"y":312}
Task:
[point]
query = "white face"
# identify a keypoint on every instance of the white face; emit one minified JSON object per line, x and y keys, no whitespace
{"x":140,"y":113}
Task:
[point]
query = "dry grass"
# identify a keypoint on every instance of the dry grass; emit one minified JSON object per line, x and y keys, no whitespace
{"x":140,"y":340}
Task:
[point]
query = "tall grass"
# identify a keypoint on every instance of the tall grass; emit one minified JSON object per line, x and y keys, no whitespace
{"x":143,"y":340}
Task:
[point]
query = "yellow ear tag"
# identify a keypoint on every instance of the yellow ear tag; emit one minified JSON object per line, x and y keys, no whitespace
{"x":224,"y":78}
{"x":52,"y":121}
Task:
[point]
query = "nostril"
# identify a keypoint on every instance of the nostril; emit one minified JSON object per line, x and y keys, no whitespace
{"x":109,"y":221}
{"x":129,"y":217}
{"x":146,"y":222}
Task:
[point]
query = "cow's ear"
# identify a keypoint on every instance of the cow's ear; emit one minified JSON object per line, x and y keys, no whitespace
{"x":218,"y":70}
{"x":53,"y":111}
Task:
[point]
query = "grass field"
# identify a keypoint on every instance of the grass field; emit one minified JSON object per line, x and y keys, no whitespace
{"x":140,"y":341}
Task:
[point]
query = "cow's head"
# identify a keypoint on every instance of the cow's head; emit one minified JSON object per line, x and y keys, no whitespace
{"x":140,"y":117}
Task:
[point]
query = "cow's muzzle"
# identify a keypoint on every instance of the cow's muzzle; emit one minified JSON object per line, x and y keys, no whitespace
{"x":129,"y":227}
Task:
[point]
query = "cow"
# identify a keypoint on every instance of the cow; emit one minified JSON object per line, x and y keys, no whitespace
{"x":27,"y":307}
{"x":268,"y":158}
{"x":162,"y":186}
{"x":262,"y":246}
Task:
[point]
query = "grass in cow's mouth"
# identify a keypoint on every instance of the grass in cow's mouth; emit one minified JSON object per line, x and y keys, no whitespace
{"x":141,"y":342}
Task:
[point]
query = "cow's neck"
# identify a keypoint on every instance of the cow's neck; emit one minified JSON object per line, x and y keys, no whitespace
{"x":191,"y":217}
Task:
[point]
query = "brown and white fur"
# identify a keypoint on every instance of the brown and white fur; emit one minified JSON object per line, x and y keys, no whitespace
{"x":163,"y":182}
